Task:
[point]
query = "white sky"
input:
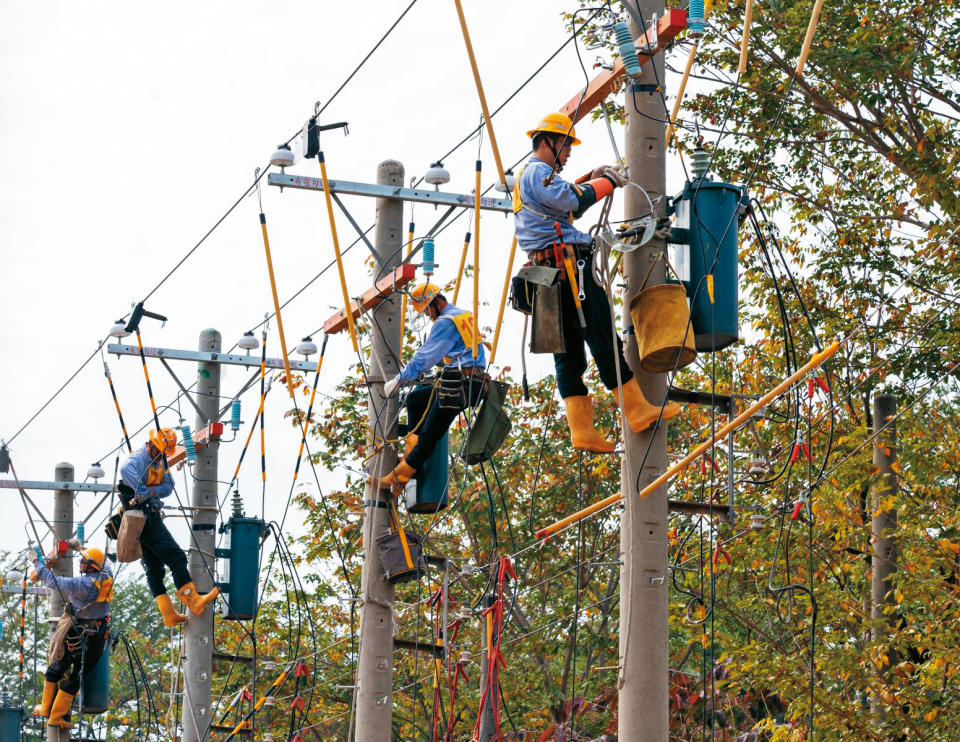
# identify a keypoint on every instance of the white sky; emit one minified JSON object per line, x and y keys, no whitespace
{"x":127,"y":129}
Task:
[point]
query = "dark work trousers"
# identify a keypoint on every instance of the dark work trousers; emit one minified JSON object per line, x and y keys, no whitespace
{"x":438,"y":419}
{"x":160,"y":549}
{"x":598,"y":334}
{"x":66,"y":670}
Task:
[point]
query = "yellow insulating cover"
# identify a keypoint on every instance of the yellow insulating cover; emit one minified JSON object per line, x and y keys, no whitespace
{"x":661,"y":321}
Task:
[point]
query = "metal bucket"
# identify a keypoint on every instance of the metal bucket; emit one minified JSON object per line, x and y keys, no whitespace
{"x":661,"y":320}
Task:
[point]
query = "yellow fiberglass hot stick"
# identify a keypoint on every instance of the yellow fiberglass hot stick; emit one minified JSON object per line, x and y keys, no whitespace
{"x":808,"y":39}
{"x":306,"y":419}
{"x":403,"y":300}
{"x":503,"y":301}
{"x":276,"y":303}
{"x":817,"y":360}
{"x":745,"y":41}
{"x":336,"y":250}
{"x":683,"y":86}
{"x":463,"y":264}
{"x":476,"y":258}
{"x":483,"y":98}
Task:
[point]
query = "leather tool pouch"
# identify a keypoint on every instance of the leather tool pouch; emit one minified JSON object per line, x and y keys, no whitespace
{"x":128,"y":540}
{"x":546,"y":334}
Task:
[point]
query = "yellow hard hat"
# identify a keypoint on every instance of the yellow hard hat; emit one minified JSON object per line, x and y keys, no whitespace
{"x":165,"y":440}
{"x":93,"y":556}
{"x":422,"y":295}
{"x":556,"y":123}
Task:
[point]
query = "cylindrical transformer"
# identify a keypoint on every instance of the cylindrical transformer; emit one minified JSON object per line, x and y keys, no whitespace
{"x":96,"y":685}
{"x":241,"y":573}
{"x":427,"y":491}
{"x":708,"y":217}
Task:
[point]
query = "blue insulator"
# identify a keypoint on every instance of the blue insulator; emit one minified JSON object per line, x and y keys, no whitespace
{"x":628,"y":52}
{"x":428,"y":264}
{"x":40,"y":555}
{"x":188,"y":443}
{"x":80,"y":532}
{"x":235,"y":415}
{"x":695,"y":18}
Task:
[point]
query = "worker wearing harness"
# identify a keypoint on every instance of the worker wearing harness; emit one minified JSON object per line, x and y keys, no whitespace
{"x":79,"y":641}
{"x":144,"y":481}
{"x":462,"y":381}
{"x":545,"y":207}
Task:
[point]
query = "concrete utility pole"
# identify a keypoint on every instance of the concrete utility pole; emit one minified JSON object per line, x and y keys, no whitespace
{"x":198,"y":634}
{"x":63,"y":528}
{"x":644,"y":655}
{"x":883,"y":560}
{"x":375,"y":664}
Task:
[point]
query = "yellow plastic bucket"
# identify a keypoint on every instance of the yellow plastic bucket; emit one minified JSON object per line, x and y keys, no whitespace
{"x":661,"y":321}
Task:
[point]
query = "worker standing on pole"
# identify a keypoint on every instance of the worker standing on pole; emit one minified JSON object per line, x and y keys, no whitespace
{"x":81,"y":635}
{"x":461,"y":383}
{"x":144,"y":481}
{"x":545,"y":207}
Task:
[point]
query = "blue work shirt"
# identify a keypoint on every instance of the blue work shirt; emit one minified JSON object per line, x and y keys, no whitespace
{"x":443,"y":341}
{"x":136,"y":473}
{"x":544,"y":205}
{"x":81,"y":591}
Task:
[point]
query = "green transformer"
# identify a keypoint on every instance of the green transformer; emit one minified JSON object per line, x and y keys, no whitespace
{"x":242,"y":571}
{"x":708,"y":220}
{"x":96,"y":685}
{"x":427,"y":491}
{"x":10,"y":718}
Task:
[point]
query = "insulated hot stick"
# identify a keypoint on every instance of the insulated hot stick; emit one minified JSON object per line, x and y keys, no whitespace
{"x":815,"y":362}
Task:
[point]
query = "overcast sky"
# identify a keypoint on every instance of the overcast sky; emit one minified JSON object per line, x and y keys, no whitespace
{"x":128,"y":129}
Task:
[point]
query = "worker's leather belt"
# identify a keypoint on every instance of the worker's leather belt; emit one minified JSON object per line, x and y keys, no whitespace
{"x":475,"y":371}
{"x":93,"y":621}
{"x":545,"y":256}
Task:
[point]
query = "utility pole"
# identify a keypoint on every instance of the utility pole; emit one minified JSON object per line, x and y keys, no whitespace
{"x":644,"y":656}
{"x":375,"y":664}
{"x":883,"y":559}
{"x":63,"y":529}
{"x":198,"y":634}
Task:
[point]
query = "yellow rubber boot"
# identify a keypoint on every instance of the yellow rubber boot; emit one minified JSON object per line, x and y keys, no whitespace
{"x":583,"y":436}
{"x":59,"y":711}
{"x":196,"y":602}
{"x":170,"y":616}
{"x":46,"y":701}
{"x":411,"y":440}
{"x":639,"y":412}
{"x":399,"y":477}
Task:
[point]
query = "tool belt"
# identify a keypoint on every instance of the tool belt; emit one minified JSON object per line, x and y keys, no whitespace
{"x":547,"y":256}
{"x":449,"y":385}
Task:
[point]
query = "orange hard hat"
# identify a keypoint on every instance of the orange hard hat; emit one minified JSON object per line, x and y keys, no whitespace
{"x":422,"y":295}
{"x":164,"y":440}
{"x":93,"y":556}
{"x":556,"y":123}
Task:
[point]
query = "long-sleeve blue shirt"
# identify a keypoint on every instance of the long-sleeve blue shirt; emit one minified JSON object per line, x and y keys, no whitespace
{"x":145,"y":476}
{"x":443,"y":341}
{"x":544,"y":205}
{"x":81,"y":591}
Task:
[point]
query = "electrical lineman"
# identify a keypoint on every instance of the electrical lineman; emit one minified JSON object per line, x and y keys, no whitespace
{"x":83,"y":631}
{"x":144,"y":480}
{"x":461,"y":383}
{"x":576,"y":310}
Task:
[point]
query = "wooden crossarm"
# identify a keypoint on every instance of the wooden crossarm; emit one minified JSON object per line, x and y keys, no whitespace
{"x":669,"y":26}
{"x":372,"y":297}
